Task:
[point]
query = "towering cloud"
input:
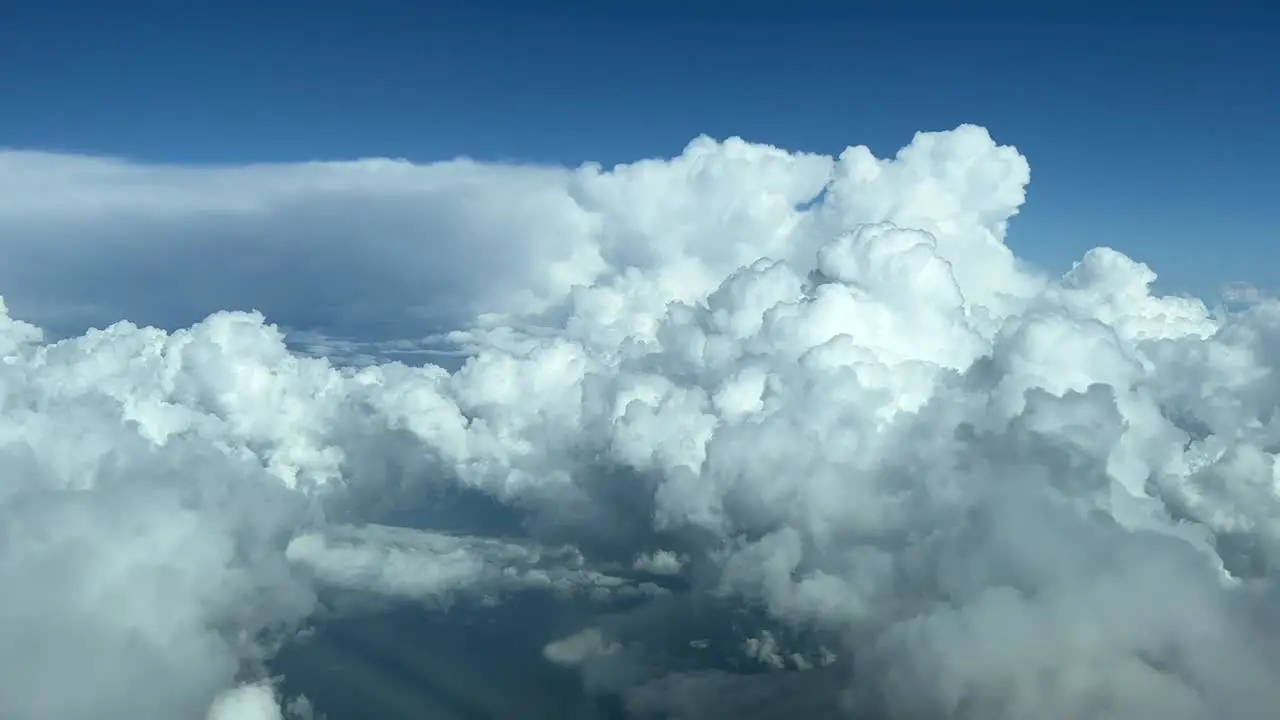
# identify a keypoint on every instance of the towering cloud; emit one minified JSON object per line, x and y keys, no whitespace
{"x":815,"y":399}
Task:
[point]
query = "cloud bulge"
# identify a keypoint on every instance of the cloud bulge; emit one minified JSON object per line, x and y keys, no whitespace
{"x":817,"y":393}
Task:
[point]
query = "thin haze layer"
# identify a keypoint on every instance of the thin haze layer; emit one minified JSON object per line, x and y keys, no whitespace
{"x":822,"y":389}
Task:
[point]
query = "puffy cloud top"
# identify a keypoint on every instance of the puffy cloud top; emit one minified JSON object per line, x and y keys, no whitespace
{"x":819,"y":390}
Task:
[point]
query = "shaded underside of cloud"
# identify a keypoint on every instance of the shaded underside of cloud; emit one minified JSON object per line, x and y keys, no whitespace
{"x":800,"y":432}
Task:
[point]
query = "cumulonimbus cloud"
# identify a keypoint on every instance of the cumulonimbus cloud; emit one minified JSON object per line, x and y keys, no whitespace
{"x":819,"y":390}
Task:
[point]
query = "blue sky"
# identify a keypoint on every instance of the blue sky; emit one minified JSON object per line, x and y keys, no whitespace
{"x":1149,"y":130}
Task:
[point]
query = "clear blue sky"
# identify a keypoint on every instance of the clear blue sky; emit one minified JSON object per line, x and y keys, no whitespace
{"x":1153,"y":127}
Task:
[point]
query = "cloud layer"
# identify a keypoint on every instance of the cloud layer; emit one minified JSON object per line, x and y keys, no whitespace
{"x":817,"y":395}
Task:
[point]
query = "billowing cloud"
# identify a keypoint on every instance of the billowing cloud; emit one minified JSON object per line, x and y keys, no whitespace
{"x":247,"y":702}
{"x":841,"y":452}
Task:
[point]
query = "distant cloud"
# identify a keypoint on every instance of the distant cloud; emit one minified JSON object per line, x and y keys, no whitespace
{"x":439,"y":569}
{"x":660,"y":562}
{"x":941,"y":483}
{"x":1242,"y":292}
{"x":383,"y":249}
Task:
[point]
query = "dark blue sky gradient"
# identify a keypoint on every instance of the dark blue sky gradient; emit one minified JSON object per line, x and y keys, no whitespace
{"x":1151,"y":127}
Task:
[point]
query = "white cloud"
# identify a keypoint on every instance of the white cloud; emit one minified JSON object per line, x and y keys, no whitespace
{"x":379,"y":248}
{"x":582,"y":646}
{"x":247,"y":702}
{"x":660,"y":562}
{"x":436,"y":568}
{"x":1006,"y":493}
